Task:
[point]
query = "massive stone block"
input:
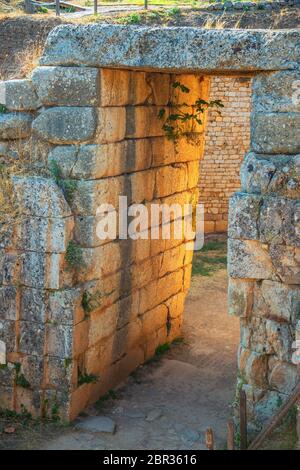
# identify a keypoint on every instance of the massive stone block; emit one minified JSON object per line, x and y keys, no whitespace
{"x":44,"y":235}
{"x":240,"y":297}
{"x":244,"y":211}
{"x":172,"y":49}
{"x":271,"y":174}
{"x":283,"y":376}
{"x":276,"y":92}
{"x":121,"y":88}
{"x":277,"y":301}
{"x":67,"y":86}
{"x":20,"y":95}
{"x":8,"y":303}
{"x":275,"y":133}
{"x":250,"y":259}
{"x":66,"y":125}
{"x":40,"y":197}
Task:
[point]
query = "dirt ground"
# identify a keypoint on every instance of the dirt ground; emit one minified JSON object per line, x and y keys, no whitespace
{"x":169,"y":402}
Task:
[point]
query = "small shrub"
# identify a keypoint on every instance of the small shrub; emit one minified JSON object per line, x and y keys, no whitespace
{"x":162,"y":349}
{"x":55,"y":412}
{"x":67,"y":186}
{"x":43,"y":10}
{"x":20,"y":379}
{"x":110,"y":395}
{"x":74,"y":256}
{"x":87,"y":379}
{"x":3,"y":109}
{"x":91,"y":302}
{"x":173,"y":11}
{"x":133,"y":18}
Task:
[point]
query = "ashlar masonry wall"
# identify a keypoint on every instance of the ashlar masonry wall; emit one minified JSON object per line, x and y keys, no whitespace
{"x":227,"y":139}
{"x":78,"y":314}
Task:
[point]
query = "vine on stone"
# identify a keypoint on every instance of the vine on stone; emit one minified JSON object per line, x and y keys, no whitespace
{"x":184,"y":118}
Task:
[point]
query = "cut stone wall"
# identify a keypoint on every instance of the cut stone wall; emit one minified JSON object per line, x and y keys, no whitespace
{"x":227,"y":139}
{"x":78,"y":314}
{"x":264,"y":243}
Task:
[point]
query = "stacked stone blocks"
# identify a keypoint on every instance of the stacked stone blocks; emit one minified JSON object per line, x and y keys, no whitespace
{"x":77,"y":331}
{"x":264,"y":247}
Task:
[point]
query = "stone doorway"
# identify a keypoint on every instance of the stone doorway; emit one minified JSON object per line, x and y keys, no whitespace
{"x":105,"y":320}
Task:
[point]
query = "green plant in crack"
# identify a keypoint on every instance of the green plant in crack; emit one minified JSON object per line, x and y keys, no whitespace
{"x":67,"y":362}
{"x":55,"y":412}
{"x":74,"y":256}
{"x":91,"y":302}
{"x":110,"y":395}
{"x":3,"y":109}
{"x":162,"y":349}
{"x":183,"y":119}
{"x":68,"y":186}
{"x":20,"y":379}
{"x":87,"y":379}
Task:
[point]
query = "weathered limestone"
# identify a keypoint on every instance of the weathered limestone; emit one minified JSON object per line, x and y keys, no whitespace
{"x":95,"y":306}
{"x":15,"y":126}
{"x":40,"y":197}
{"x":267,"y":174}
{"x":20,"y":95}
{"x":276,"y":92}
{"x":67,"y":86}
{"x":64,"y":125}
{"x":269,"y":219}
{"x":172,"y":49}
{"x":275,"y":133}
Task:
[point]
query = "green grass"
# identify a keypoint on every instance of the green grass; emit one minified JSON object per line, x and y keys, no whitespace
{"x":133,"y":18}
{"x":214,"y":246}
{"x":211,"y":258}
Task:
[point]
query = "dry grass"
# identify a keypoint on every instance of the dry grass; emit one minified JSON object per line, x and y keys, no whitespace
{"x":215,"y":23}
{"x":10,"y":9}
{"x":24,"y":63}
{"x":28,"y":60}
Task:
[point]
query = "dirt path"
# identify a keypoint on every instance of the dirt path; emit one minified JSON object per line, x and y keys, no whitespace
{"x":168,"y":404}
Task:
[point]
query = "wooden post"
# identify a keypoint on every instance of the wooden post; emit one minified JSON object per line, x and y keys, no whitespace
{"x":29,"y":7}
{"x":243,"y":420}
{"x":95,"y":7}
{"x":146,"y":4}
{"x":275,"y":420}
{"x":230,"y":435}
{"x":57,"y":7}
{"x":209,"y":439}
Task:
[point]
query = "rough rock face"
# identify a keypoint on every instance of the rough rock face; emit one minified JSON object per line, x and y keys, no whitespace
{"x":172,"y":48}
